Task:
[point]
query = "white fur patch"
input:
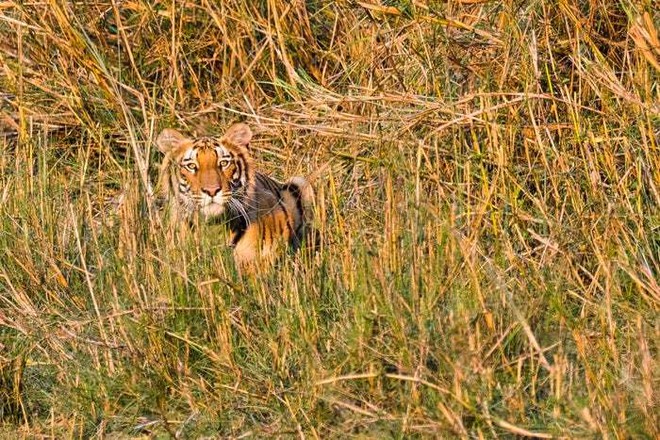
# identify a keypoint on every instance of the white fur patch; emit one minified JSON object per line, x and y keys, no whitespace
{"x":213,"y":210}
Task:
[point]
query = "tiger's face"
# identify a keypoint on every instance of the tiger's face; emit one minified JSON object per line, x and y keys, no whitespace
{"x":210,"y":174}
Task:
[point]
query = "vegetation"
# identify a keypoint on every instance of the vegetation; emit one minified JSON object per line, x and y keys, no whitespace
{"x":490,"y":224}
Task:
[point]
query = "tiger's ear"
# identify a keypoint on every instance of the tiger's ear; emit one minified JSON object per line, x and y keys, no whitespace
{"x":239,"y":135}
{"x":169,"y":140}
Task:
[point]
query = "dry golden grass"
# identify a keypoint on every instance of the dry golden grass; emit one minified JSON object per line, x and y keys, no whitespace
{"x":490,"y":220}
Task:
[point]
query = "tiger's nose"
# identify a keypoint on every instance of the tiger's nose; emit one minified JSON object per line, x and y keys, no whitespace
{"x":211,"y":190}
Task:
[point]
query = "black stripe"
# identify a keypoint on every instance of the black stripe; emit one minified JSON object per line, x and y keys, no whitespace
{"x":269,"y":184}
{"x":292,"y":188}
{"x":245,"y":169}
{"x":239,"y":165}
{"x":239,"y":231}
{"x":295,"y":192}
{"x":289,"y":220}
{"x":238,"y":224}
{"x":295,"y":233}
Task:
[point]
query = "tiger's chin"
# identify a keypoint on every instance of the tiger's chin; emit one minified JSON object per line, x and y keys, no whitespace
{"x":212,"y":210}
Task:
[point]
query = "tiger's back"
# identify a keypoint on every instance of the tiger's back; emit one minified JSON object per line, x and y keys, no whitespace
{"x":277,"y":218}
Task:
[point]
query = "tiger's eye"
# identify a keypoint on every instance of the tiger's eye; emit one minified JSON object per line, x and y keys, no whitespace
{"x":224,"y":163}
{"x":191,"y":167}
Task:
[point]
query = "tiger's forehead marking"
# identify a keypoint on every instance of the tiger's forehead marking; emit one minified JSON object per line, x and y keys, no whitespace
{"x":204,"y":145}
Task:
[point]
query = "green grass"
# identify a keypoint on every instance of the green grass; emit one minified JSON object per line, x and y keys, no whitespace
{"x":490,"y":221}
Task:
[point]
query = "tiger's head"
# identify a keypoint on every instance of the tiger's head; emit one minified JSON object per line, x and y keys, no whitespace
{"x":208,"y":174}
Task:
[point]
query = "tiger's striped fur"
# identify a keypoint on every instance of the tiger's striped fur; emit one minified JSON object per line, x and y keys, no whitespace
{"x":216,"y":177}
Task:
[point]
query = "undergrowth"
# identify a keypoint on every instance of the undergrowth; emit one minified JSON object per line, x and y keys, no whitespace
{"x":489,"y":223}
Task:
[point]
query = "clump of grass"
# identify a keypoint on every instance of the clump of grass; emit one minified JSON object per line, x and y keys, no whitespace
{"x":490,"y":223}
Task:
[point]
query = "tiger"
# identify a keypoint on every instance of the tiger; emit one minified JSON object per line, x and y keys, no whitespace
{"x":215,"y":178}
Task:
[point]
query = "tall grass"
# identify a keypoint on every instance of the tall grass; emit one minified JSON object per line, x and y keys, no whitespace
{"x":490,"y":224}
